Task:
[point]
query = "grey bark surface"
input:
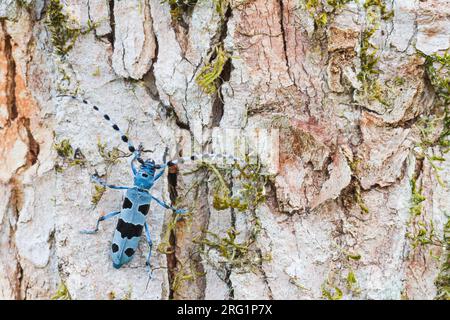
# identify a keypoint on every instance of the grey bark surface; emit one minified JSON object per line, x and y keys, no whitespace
{"x":338,"y":214}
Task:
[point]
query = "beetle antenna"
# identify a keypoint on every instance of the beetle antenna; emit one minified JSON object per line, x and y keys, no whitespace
{"x":203,"y":157}
{"x":105,"y":116}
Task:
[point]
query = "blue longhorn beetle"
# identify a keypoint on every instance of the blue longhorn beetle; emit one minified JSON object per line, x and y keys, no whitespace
{"x":136,"y":204}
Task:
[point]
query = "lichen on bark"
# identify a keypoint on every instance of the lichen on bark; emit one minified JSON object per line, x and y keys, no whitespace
{"x":358,"y":91}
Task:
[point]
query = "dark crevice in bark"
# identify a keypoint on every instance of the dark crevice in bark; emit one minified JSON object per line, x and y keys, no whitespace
{"x":10,"y":76}
{"x":172,"y":180}
{"x":181,"y":14}
{"x":179,"y":123}
{"x":264,"y":275}
{"x":16,"y":202}
{"x":33,"y":146}
{"x":218,"y":104}
{"x":171,"y":264}
{"x":112,"y":36}
{"x":283,"y":35}
{"x":229,"y":269}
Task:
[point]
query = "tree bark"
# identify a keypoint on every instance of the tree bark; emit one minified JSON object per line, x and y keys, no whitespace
{"x":356,"y":208}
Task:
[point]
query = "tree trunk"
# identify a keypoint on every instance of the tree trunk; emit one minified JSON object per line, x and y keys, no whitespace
{"x":353,"y":206}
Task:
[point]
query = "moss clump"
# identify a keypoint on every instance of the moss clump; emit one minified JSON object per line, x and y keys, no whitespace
{"x":64,"y":149}
{"x":381,"y":6}
{"x":421,"y":230}
{"x":251,"y":193}
{"x":352,"y":283}
{"x":236,"y":254}
{"x":98,"y":194}
{"x":368,"y":76}
{"x":221,"y":6}
{"x":209,"y":76}
{"x":322,"y":14}
{"x":442,"y":282}
{"x":331,"y":292}
{"x":184,"y":273}
{"x":110,"y":157}
{"x":243,"y":255}
{"x":68,"y":155}
{"x":179,"y":7}
{"x":416,"y":199}
{"x":62,"y":293}
{"x":438,"y":71}
{"x":63,"y":37}
{"x":26,"y":4}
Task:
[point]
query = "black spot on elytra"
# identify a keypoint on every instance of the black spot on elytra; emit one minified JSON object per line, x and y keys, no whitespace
{"x":144,"y":209}
{"x":85,"y":101}
{"x":107,"y":117}
{"x":115,"y":127}
{"x":127,"y":204}
{"x":124,"y":138}
{"x":129,"y":252}
{"x":192,"y":157}
{"x":129,"y":230}
{"x":131,"y":148}
{"x":114,"y":247}
{"x":95,"y":108}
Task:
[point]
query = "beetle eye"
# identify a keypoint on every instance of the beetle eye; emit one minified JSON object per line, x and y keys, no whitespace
{"x":145,"y":175}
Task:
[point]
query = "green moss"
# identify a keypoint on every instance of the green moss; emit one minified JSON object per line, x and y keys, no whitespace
{"x":63,"y":36}
{"x":68,"y":156}
{"x":62,"y":293}
{"x":381,"y":6}
{"x":421,"y":230}
{"x":184,"y":274}
{"x":209,"y":76}
{"x":331,"y":292}
{"x":416,"y":198}
{"x":240,"y":255}
{"x":438,"y":71}
{"x":64,"y":149}
{"x":221,"y":6}
{"x":359,"y":199}
{"x":252,"y":190}
{"x":352,"y":283}
{"x":371,"y":87}
{"x":354,"y":256}
{"x":322,"y":14}
{"x":98,"y":194}
{"x":110,"y":157}
{"x":179,"y":7}
{"x":442,"y":281}
{"x":295,"y":282}
{"x":250,"y":184}
{"x":26,"y":4}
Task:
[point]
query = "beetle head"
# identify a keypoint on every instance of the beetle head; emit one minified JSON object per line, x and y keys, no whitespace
{"x":144,"y":178}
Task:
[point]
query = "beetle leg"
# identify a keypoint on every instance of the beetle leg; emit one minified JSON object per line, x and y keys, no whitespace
{"x":165,"y":205}
{"x":150,"y":244}
{"x":104,"y":184}
{"x":158,"y":175}
{"x":102,"y":218}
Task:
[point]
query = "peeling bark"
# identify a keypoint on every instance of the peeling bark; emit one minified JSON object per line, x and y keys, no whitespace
{"x":362,"y":165}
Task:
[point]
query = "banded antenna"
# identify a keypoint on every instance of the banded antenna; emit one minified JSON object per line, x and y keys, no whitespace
{"x":202,"y":157}
{"x":106,"y":117}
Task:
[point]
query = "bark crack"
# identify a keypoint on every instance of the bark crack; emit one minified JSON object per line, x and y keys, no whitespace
{"x":112,"y":35}
{"x":283,"y":36}
{"x":11,"y":102}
